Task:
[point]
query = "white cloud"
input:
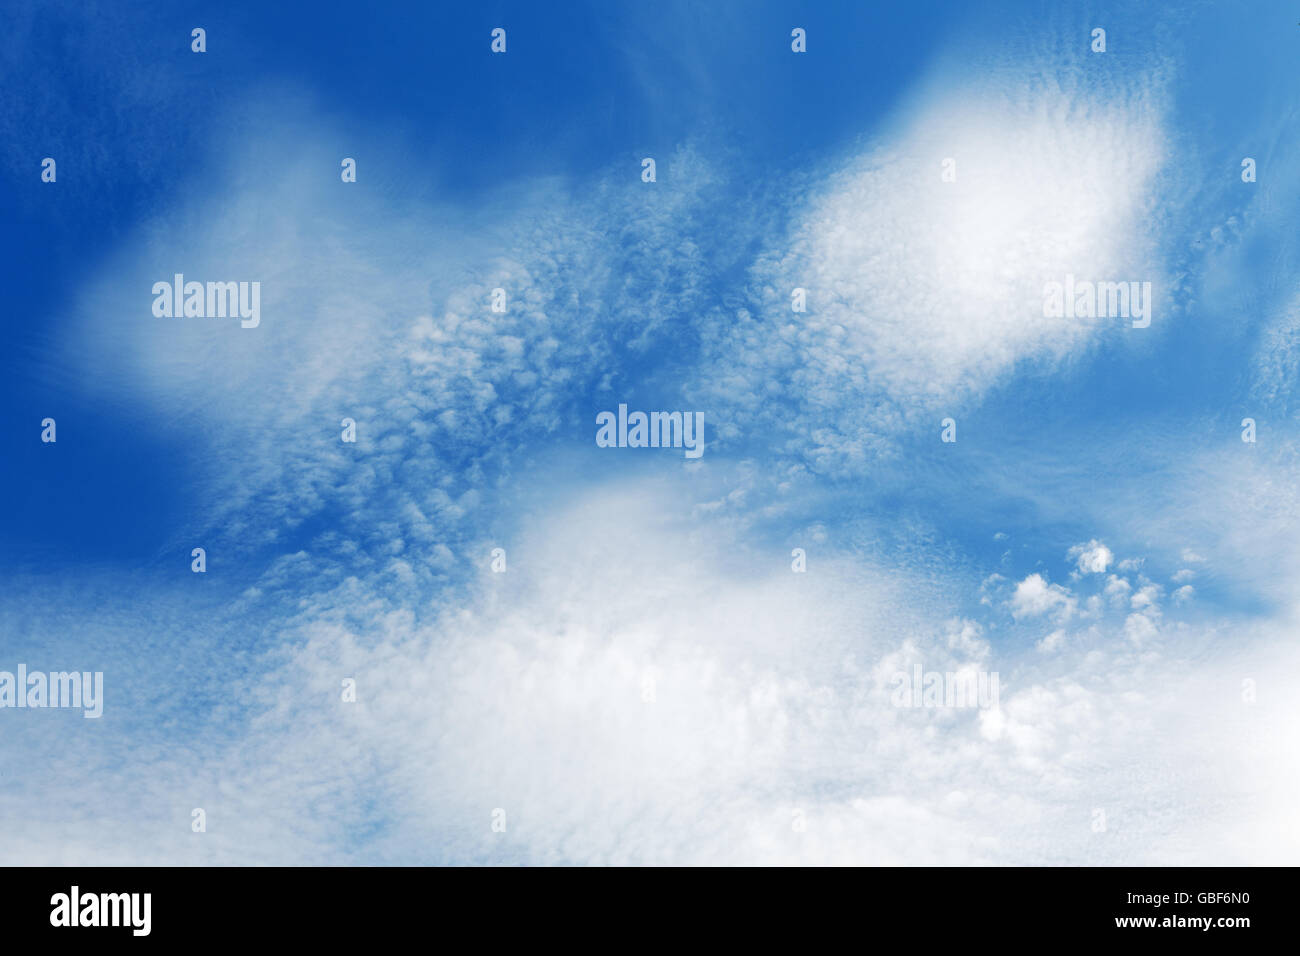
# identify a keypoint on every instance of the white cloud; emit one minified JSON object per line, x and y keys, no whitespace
{"x":1147,"y":597}
{"x":923,"y":293}
{"x":1052,"y":642}
{"x":1118,"y":589}
{"x":1092,"y":558}
{"x":769,"y":696}
{"x":1034,"y":597}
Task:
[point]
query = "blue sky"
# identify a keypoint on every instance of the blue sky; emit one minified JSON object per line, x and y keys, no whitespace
{"x":1099,"y":534}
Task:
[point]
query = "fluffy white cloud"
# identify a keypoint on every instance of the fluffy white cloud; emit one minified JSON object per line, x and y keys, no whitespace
{"x":1091,"y":558}
{"x":1148,"y":596}
{"x":1034,"y":597}
{"x":923,"y":293}
{"x":1118,"y":589}
{"x":656,"y":696}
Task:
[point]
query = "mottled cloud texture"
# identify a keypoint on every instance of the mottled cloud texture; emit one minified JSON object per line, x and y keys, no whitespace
{"x":649,"y":681}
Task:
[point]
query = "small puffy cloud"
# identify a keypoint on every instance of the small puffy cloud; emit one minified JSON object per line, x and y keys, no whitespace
{"x":1183,"y":575}
{"x":1184,"y":594}
{"x":1052,"y":642}
{"x":1147,"y":597}
{"x":1118,"y":589}
{"x":1091,"y":558}
{"x":1035,"y":597}
{"x":966,"y":637}
{"x":990,"y":588}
